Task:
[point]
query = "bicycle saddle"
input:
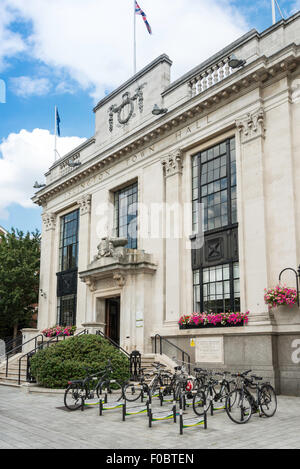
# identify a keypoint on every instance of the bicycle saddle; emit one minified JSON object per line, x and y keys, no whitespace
{"x":257,"y":378}
{"x":198,"y":370}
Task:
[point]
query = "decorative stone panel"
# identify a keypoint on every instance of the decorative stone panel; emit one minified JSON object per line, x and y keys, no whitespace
{"x":173,"y":163}
{"x":49,"y":220}
{"x":252,"y":125}
{"x":85,"y":204}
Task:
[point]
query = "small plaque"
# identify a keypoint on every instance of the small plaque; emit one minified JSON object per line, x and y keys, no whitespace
{"x":139,"y":319}
{"x":209,"y":350}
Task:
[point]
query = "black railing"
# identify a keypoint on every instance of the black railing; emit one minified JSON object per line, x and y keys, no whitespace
{"x":13,"y":344}
{"x":17,"y":349}
{"x":115,"y":344}
{"x":41,"y":346}
{"x":161,"y":340}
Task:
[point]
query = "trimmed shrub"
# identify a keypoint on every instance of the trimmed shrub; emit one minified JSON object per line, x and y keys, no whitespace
{"x":54,"y":366}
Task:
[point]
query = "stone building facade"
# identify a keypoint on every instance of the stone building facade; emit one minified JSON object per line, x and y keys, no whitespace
{"x":227,"y":138}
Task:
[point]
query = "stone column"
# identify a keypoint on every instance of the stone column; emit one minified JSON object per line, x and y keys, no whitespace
{"x":47,"y":316}
{"x":83,"y":313}
{"x":252,"y":216}
{"x":172,"y":168}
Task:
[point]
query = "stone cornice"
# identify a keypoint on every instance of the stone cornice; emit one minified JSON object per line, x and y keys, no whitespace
{"x":257,"y":73}
{"x":72,"y":153}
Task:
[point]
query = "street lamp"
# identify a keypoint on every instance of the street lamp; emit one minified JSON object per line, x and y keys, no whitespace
{"x":156,"y":111}
{"x":234,"y":62}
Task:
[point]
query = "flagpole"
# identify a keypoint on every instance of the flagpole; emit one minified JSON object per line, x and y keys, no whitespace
{"x":55,"y":130}
{"x":134,"y":39}
{"x":273,"y":12}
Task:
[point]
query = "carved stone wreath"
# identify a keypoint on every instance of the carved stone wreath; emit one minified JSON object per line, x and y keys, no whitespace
{"x":127,"y":100}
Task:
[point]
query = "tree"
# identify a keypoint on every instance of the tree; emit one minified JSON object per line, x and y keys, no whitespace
{"x":19,"y":278}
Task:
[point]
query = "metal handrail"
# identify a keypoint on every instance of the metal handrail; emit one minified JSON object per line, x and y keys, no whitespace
{"x":40,"y":347}
{"x":16,"y":348}
{"x":9,"y":342}
{"x":161,"y":339}
{"x":113,"y":342}
{"x":297,"y":275}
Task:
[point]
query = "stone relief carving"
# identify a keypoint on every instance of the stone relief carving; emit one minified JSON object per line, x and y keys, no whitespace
{"x":90,"y":283}
{"x":119,"y":279}
{"x":173,"y":163}
{"x":85,"y":204}
{"x":252,"y":125}
{"x":111,"y":247}
{"x":49,"y":220}
{"x":126,"y":109}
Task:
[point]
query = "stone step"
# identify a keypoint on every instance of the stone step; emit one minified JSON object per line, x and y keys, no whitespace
{"x":13,"y":375}
{"x":9,"y":379}
{"x":10,"y":383}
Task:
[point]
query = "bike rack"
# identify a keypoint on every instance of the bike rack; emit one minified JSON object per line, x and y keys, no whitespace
{"x":192,"y":421}
{"x":134,"y":410}
{"x":162,"y":415}
{"x":109,"y":406}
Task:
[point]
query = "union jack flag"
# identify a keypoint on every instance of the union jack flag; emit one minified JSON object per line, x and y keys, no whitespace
{"x":139,"y":11}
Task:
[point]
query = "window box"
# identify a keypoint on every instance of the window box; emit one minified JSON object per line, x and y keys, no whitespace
{"x":211,"y":320}
{"x":208,"y":326}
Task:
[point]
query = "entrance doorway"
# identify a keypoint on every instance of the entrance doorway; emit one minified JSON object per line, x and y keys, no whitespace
{"x":112,"y":318}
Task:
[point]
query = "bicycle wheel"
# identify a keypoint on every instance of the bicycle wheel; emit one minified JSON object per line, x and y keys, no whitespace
{"x":73,"y":396}
{"x":199,"y":403}
{"x":132,"y":392}
{"x":238,"y":406}
{"x":111,"y":390}
{"x":267,"y":400}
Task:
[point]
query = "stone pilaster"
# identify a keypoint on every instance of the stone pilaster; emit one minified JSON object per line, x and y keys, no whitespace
{"x":252,"y":213}
{"x":172,"y":169}
{"x":84,"y":202}
{"x":47,"y":295}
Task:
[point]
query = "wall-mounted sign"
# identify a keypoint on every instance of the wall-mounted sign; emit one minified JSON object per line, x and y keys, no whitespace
{"x":139,"y":319}
{"x":209,"y":350}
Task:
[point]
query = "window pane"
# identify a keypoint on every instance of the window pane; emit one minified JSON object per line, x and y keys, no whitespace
{"x":126,"y":214}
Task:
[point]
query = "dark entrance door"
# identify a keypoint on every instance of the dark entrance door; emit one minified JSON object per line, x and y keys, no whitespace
{"x":112,"y":328}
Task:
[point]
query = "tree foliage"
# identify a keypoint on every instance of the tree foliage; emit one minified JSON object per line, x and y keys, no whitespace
{"x":19,"y":278}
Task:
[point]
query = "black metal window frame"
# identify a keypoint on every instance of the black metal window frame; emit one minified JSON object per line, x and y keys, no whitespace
{"x":209,"y":183}
{"x":126,"y":213}
{"x":66,"y":310}
{"x":230,"y":299}
{"x":68,"y":264}
{"x":69,"y":241}
{"x":213,"y":173}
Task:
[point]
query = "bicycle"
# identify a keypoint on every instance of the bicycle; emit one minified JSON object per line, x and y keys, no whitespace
{"x":214,"y":392}
{"x":134,"y":391}
{"x":241,"y":404}
{"x":93,"y":385}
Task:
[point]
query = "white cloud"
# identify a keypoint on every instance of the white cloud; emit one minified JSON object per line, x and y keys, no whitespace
{"x":27,"y":86}
{"x":92,"y":39}
{"x":295,"y":6}
{"x":10,"y":43}
{"x":26,"y":156}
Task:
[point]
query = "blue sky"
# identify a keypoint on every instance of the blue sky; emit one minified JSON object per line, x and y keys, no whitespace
{"x":73,"y":52}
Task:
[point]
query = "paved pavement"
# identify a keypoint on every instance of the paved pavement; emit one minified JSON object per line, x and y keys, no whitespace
{"x":34,"y":421}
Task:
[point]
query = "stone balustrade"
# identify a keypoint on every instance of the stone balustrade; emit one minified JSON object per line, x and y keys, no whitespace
{"x":209,"y":77}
